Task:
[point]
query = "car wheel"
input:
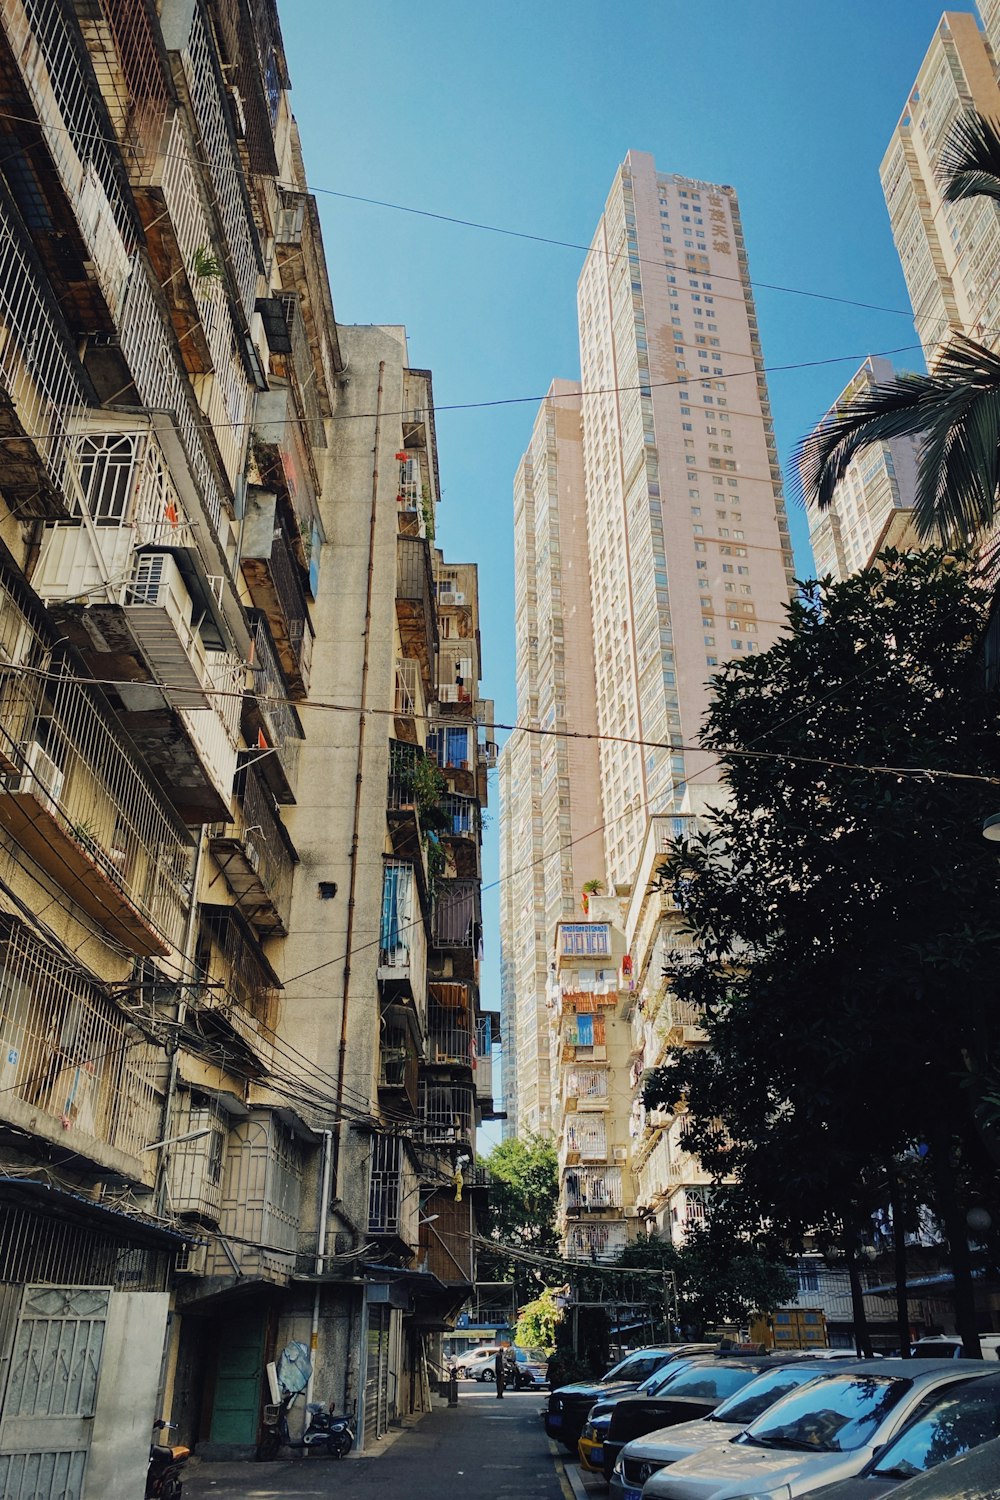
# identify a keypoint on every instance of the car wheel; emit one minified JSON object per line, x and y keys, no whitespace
{"x":487,"y":1375}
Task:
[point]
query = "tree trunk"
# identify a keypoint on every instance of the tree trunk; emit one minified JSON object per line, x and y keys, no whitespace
{"x":953,"y":1218}
{"x":899,"y":1262}
{"x":862,"y":1335}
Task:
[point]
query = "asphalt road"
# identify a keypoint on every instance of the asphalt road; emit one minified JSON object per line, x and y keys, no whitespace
{"x":484,"y":1449}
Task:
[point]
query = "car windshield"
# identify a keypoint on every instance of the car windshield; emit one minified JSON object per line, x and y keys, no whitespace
{"x":635,"y":1367}
{"x":710,"y":1382}
{"x":748,"y":1404}
{"x":952,"y":1425}
{"x":662,"y":1377}
{"x":835,"y":1415}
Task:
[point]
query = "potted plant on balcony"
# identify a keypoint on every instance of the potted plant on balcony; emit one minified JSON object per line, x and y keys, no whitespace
{"x":590,"y":888}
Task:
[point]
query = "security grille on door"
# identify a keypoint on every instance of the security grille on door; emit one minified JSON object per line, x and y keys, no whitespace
{"x":47,"y":1416}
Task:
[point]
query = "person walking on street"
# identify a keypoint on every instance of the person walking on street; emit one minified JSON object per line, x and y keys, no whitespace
{"x":500,"y":1370}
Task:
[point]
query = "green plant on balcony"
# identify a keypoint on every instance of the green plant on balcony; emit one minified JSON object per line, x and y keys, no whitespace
{"x":428,"y":786}
{"x":590,"y":888}
{"x":427,"y":511}
{"x":86,"y":834}
{"x":437,"y":861}
{"x":207,"y":267}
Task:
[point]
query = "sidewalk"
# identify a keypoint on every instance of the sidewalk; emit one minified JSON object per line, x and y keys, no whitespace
{"x":484,"y":1449}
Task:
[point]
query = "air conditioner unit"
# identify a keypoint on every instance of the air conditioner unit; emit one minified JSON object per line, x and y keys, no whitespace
{"x":189,"y":1260}
{"x":160,"y":615}
{"x":619,"y":1153}
{"x":599,"y":1054}
{"x":456,"y":599}
{"x":42,"y":777}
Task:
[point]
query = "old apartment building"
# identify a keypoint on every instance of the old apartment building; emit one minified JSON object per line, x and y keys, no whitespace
{"x":242,"y":1056}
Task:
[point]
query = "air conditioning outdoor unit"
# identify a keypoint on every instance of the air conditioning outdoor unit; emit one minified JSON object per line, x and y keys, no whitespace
{"x":189,"y":1260}
{"x":619,"y":1153}
{"x":160,"y":614}
{"x":42,"y":777}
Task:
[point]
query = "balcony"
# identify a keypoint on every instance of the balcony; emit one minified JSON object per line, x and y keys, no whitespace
{"x":393,"y":1195}
{"x":415,"y":611}
{"x":260,"y":1214}
{"x":399,"y":1061}
{"x":79,"y":801}
{"x":585,"y":1088}
{"x":409,"y":703}
{"x":450,"y":1027}
{"x":402,"y":959}
{"x":256,"y":855}
{"x":282,"y":445}
{"x":461,"y":831}
{"x":274,"y":579}
{"x":73,"y":1068}
{"x":592,"y":1188}
{"x":603,"y":1241}
{"x":403,"y":800}
{"x":585,"y":1138}
{"x":447,"y":1242}
{"x":486,"y":1035}
{"x":237,"y":990}
{"x":457,"y":921}
{"x":269,"y":721}
{"x":129,"y":589}
{"x":446,"y":1113}
{"x":452,"y":746}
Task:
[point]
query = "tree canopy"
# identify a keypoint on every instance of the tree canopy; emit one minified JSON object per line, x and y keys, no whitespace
{"x":524,"y":1190}
{"x":846,"y":907}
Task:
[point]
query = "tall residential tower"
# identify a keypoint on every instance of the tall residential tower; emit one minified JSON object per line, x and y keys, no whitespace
{"x":690,"y":557}
{"x":550,"y":799}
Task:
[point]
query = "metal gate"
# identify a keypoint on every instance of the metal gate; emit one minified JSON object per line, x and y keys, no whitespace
{"x":47,"y":1414}
{"x":377,"y":1373}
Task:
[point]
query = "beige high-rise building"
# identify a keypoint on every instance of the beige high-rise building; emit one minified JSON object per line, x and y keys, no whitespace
{"x":950,"y":253}
{"x":552,"y":841}
{"x":873,"y":503}
{"x":690,"y":557}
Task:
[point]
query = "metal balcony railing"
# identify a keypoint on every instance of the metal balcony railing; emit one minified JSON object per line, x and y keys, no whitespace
{"x":221,"y":154}
{"x":457,"y":916}
{"x":592,"y":1187}
{"x":40,"y":379}
{"x":401,"y":793}
{"x":602,"y":1242}
{"x":303,"y":371}
{"x":586,"y":1135}
{"x":260,"y":1202}
{"x":462,"y":815}
{"x":68,"y":1053}
{"x":73,"y":791}
{"x":256,"y":856}
{"x":409,"y":701}
{"x":239,"y":984}
{"x":415,"y":610}
{"x":450,"y":1035}
{"x":585,"y":1083}
{"x":399,"y":1065}
{"x":284,"y":732}
{"x":392,"y":1190}
{"x":447,"y":1112}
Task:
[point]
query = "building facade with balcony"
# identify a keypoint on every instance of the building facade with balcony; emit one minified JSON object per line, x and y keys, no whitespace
{"x":227,"y":1094}
{"x":551,"y":828}
{"x":587,"y":999}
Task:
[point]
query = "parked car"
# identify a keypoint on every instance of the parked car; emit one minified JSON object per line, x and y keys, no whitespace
{"x":971,"y":1476}
{"x":957,"y":1422}
{"x":589,"y":1448}
{"x":568,"y":1406}
{"x":699,"y":1390}
{"x":475,"y":1357}
{"x":643,"y":1456}
{"x":949,"y":1346}
{"x":530,"y":1367}
{"x":826,"y":1431}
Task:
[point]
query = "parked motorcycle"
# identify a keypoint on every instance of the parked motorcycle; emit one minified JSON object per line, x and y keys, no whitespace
{"x":325,"y":1432}
{"x":165,"y":1463}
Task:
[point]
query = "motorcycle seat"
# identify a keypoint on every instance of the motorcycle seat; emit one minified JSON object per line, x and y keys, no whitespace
{"x":161,"y":1452}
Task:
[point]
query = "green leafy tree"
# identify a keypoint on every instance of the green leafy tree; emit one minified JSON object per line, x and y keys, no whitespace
{"x":722,"y":1274}
{"x":524,"y":1189}
{"x":848,"y":921}
{"x":536,"y":1322}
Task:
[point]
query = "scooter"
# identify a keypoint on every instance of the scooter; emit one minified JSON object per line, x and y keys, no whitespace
{"x":165,"y":1463}
{"x":326,"y":1431}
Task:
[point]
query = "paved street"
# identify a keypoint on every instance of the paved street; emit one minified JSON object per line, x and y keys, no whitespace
{"x":485,"y":1450}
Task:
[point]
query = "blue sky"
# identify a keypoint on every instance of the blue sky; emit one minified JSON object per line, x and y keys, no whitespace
{"x":518,"y":115}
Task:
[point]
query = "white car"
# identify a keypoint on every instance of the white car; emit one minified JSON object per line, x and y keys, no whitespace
{"x":823,"y":1432}
{"x":476,"y":1360}
{"x":645,"y":1456}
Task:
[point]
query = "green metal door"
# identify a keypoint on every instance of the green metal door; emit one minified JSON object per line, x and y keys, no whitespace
{"x":236,"y":1405}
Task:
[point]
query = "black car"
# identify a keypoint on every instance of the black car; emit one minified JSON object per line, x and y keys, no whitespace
{"x":568,"y":1406}
{"x":695,"y":1393}
{"x":953,"y":1423}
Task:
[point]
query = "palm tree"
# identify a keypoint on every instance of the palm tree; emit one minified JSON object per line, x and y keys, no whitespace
{"x":955,"y":409}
